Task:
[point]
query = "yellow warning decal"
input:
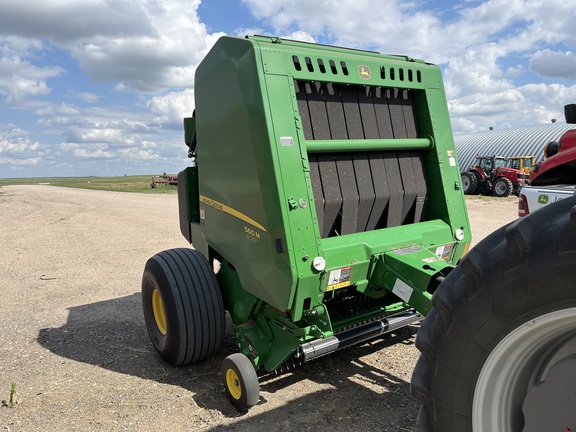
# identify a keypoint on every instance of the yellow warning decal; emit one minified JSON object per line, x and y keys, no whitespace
{"x":231,"y":211}
{"x":337,"y":286}
{"x":339,"y":278}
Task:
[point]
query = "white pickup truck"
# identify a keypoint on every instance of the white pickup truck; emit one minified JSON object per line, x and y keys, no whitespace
{"x":534,"y":197}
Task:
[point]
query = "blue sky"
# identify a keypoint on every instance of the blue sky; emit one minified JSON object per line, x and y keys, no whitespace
{"x":99,"y":87}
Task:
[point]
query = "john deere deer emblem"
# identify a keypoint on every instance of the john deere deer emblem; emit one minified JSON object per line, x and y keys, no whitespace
{"x":364,"y":72}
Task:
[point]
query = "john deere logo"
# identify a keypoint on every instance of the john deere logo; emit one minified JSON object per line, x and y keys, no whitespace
{"x":364,"y":72}
{"x":542,"y":199}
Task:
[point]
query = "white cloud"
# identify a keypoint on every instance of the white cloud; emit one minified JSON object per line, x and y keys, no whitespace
{"x":300,"y":35}
{"x":170,"y":109}
{"x":87,"y":97}
{"x":20,"y":78}
{"x":554,"y":64}
{"x":83,"y":152}
{"x":148,"y":46}
{"x":17,"y":149}
{"x":64,"y":21}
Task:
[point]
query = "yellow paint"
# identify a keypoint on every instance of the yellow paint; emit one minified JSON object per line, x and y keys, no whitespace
{"x":338,"y":285}
{"x":159,"y":312}
{"x":233,"y":384}
{"x":231,"y":211}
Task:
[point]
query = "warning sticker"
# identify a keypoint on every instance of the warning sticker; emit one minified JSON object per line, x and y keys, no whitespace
{"x":444,"y":251}
{"x":339,"y":278}
{"x":451,"y":158}
{"x":402,"y":290}
{"x":202,"y":216}
{"x":407,"y":250}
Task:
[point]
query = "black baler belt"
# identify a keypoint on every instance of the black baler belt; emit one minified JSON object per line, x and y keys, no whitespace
{"x":352,"y":112}
{"x":331,"y":189}
{"x":395,"y":102}
{"x":368,"y":113}
{"x":396,"y":191}
{"x":365,"y":189}
{"x":349,"y":193}
{"x":335,"y":111}
{"x":317,"y":189}
{"x":318,"y":114}
{"x":421,"y":181}
{"x":409,"y":182}
{"x":381,"y":190}
{"x":382,"y":111}
{"x":300,"y":88}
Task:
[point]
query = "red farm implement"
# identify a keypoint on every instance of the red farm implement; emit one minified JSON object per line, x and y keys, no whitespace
{"x":163,"y":180}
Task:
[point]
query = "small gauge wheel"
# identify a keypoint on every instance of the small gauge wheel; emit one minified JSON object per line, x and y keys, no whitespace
{"x":240,"y":381}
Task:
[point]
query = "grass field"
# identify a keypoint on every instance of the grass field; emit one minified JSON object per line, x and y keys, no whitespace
{"x":119,"y":183}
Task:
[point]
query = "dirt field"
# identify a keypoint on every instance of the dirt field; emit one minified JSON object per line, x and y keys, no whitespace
{"x":72,"y":334}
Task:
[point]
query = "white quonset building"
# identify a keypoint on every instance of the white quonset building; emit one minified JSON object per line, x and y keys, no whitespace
{"x":526,"y":141}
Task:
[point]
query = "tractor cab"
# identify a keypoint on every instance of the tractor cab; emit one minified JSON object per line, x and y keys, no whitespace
{"x":490,"y":165}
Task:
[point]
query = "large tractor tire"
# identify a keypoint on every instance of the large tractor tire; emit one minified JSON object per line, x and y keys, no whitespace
{"x":183,"y":306}
{"x":469,"y":183}
{"x":498,"y":350}
{"x":502,"y":187}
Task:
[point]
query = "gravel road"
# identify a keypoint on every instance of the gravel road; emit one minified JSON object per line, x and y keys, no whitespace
{"x":73,"y":336}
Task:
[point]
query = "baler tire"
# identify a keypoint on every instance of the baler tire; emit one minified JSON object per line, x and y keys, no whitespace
{"x":479,"y":182}
{"x":240,"y":381}
{"x":502,"y":187}
{"x":510,"y":302}
{"x":183,"y":306}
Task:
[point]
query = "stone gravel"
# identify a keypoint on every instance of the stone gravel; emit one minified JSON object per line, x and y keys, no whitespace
{"x":73,"y":337}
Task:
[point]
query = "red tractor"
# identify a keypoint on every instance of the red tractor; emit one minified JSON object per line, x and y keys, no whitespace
{"x":490,"y":175}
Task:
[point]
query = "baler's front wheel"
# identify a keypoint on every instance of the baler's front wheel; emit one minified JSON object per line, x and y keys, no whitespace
{"x":183,"y":306}
{"x":240,"y":381}
{"x":499,"y":347}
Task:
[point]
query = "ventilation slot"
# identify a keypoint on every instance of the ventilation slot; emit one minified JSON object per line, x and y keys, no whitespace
{"x":296,"y":62}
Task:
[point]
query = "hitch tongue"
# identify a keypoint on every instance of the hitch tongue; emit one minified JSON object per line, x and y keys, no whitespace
{"x":411,"y":273}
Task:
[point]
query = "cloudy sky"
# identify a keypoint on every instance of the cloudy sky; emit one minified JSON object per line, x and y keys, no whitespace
{"x":99,"y":87}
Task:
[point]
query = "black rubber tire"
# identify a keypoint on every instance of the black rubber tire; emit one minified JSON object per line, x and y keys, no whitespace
{"x":479,"y":182}
{"x":193,"y":307}
{"x":520,"y":272}
{"x":485,"y":188}
{"x":240,"y":381}
{"x":502,"y":187}
{"x":469,"y":183}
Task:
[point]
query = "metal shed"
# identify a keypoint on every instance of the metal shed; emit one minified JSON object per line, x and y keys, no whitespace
{"x":508,"y":142}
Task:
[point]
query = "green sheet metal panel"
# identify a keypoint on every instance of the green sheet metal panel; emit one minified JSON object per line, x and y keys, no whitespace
{"x":261,"y":186}
{"x":240,"y":206}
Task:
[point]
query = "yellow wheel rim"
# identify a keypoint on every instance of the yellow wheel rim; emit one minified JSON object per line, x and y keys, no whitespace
{"x":158,"y":310}
{"x":233,"y":384}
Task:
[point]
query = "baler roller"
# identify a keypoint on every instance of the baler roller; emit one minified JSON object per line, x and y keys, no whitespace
{"x":331,"y":146}
{"x":320,"y":347}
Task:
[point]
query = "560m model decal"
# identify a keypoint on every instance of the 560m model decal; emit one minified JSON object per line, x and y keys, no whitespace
{"x":232,"y":212}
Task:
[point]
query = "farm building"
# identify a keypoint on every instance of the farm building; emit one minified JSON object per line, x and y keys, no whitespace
{"x":508,"y":142}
